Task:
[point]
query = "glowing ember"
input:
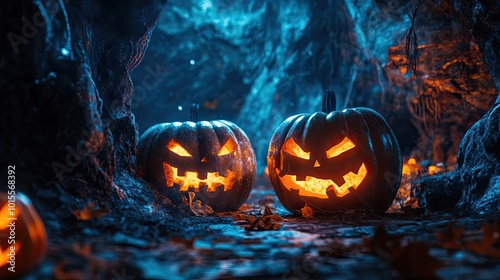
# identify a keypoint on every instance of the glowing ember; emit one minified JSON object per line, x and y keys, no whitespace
{"x":315,"y":187}
{"x":411,"y":171}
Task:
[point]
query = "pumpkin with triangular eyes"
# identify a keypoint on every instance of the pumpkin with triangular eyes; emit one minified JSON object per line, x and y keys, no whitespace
{"x":214,"y":159}
{"x":332,"y":160}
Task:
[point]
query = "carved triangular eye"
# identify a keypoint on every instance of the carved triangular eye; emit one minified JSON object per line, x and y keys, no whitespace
{"x":295,"y":150}
{"x":177,"y":149}
{"x":340,"y":148}
{"x":227,"y":148}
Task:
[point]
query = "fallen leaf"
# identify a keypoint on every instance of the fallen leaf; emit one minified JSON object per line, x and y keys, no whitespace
{"x":89,"y":212}
{"x":338,"y":249}
{"x":414,"y":262}
{"x":411,"y":260}
{"x":490,"y":245}
{"x":188,"y":243}
{"x":266,"y":221}
{"x":450,"y":238}
{"x":382,"y":243}
{"x":307,"y":211}
{"x":185,"y":201}
{"x":197,"y":206}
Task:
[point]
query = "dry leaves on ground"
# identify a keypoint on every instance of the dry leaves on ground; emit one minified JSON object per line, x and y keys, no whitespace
{"x":450,"y":238}
{"x":307,"y":211}
{"x":197,"y":206}
{"x":267,"y":221}
{"x":489,"y":246}
{"x":410,"y":259}
{"x":89,"y":212}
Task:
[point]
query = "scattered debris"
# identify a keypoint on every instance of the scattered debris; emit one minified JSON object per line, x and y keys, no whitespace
{"x":450,"y":238}
{"x":268,"y":221}
{"x":490,"y":245}
{"x":307,"y":211}
{"x":197,"y":206}
{"x":410,"y":259}
{"x":188,"y":243}
{"x":89,"y":212}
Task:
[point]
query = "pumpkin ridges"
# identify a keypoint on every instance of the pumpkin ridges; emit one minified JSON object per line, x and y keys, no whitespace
{"x":388,"y":163}
{"x":144,"y":148}
{"x":207,"y":139}
{"x":379,"y":152}
{"x":297,"y":125}
{"x":311,"y":130}
{"x":249,"y":166}
{"x":365,"y":128}
{"x":202,"y":140}
{"x":278,"y":138}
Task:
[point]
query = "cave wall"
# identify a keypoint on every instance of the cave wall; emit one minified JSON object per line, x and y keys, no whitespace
{"x":474,"y":187}
{"x":259,"y":62}
{"x":66,"y":117}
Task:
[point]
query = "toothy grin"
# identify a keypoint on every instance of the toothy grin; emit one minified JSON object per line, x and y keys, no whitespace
{"x":315,"y":187}
{"x":191,"y":180}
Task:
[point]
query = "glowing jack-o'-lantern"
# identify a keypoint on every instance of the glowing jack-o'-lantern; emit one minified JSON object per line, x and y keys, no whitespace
{"x":333,"y":160}
{"x":23,"y":240}
{"x":214,"y":159}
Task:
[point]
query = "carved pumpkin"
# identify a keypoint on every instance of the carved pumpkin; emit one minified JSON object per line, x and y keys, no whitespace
{"x":23,"y":240}
{"x":333,"y":160}
{"x":214,"y":159}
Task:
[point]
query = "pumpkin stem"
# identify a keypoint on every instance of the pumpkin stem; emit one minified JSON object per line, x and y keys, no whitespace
{"x":193,"y":116}
{"x":329,"y":101}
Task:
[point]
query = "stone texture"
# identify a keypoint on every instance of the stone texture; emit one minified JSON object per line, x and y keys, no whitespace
{"x":66,"y":119}
{"x":473,"y":187}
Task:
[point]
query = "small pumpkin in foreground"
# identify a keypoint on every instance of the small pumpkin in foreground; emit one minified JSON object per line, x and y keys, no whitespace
{"x":23,"y":239}
{"x":332,"y":160}
{"x":214,"y":159}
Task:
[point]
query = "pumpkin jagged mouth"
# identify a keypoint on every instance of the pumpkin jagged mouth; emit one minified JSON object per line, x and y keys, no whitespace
{"x":315,"y":187}
{"x":191,"y":180}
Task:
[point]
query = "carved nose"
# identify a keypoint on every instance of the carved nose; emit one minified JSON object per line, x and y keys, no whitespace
{"x":316,"y":164}
{"x":204,"y":159}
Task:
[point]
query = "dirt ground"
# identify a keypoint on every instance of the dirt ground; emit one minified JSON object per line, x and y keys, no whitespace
{"x":246,"y":244}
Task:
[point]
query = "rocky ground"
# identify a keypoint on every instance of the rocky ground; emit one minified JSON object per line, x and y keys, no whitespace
{"x":348,"y":245}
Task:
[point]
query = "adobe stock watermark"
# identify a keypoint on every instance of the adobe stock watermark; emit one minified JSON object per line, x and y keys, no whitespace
{"x":31,"y":26}
{"x":75,"y":155}
{"x":10,"y":214}
{"x":149,"y":83}
{"x":393,"y":180}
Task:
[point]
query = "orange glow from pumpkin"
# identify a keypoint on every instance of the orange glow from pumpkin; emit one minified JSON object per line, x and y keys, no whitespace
{"x":411,"y":167}
{"x":228,"y":148}
{"x":294,"y":149}
{"x":191,"y":180}
{"x":340,"y":148}
{"x":30,"y":235}
{"x":5,"y":214}
{"x":315,"y":187}
{"x":4,"y":223}
{"x":178,"y":149}
{"x":433,"y":170}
